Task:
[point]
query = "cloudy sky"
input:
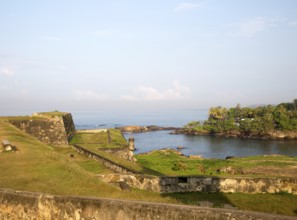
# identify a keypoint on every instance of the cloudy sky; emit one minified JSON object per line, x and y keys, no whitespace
{"x":77,"y":54}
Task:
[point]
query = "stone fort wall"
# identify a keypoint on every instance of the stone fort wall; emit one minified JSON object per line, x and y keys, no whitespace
{"x":27,"y":205}
{"x":56,"y":129}
{"x":166,"y":184}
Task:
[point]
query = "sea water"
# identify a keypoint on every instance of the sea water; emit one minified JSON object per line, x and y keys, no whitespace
{"x":206,"y":146}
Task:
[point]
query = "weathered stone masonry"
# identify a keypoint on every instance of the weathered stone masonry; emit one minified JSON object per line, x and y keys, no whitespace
{"x":56,"y":130}
{"x":204,"y":184}
{"x":26,"y":205}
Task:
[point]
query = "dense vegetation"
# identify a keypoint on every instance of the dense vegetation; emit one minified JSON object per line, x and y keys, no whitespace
{"x":259,"y":121}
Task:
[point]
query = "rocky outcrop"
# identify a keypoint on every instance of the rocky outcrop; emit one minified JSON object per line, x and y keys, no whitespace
{"x":139,"y":129}
{"x":275,"y":135}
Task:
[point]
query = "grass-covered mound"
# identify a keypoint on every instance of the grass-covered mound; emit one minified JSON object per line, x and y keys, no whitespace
{"x":111,"y":138}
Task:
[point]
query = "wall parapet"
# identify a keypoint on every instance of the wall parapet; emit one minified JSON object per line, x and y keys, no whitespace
{"x":28,"y":205}
{"x":108,"y":163}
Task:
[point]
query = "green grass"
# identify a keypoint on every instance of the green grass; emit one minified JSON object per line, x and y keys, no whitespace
{"x":38,"y":167}
{"x":86,"y":138}
{"x":117,"y":139}
{"x":95,"y":141}
{"x":284,"y":204}
{"x":42,"y":168}
{"x":171,"y":164}
{"x":168,"y":162}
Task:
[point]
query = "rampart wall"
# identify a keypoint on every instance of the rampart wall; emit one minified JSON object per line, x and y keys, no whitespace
{"x":166,"y":184}
{"x":108,"y":163}
{"x":27,"y":205}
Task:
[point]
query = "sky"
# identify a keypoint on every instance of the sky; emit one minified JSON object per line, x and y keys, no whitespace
{"x":79,"y":55}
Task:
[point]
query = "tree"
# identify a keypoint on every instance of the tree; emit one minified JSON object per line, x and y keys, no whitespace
{"x":218,"y":113}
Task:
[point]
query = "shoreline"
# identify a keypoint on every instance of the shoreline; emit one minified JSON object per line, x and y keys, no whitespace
{"x":276,"y":135}
{"x":149,"y":128}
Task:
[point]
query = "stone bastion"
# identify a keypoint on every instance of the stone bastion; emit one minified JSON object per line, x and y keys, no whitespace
{"x":55,"y":128}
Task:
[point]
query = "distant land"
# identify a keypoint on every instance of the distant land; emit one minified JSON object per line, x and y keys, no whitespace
{"x":261,"y":121}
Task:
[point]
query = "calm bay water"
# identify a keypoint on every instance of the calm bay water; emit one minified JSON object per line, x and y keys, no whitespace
{"x":206,"y":146}
{"x":212,"y":147}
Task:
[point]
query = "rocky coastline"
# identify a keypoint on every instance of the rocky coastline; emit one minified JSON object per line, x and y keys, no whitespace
{"x":140,"y":129}
{"x":275,"y":135}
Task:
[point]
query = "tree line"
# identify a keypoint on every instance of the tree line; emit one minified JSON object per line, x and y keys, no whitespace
{"x":248,"y":121}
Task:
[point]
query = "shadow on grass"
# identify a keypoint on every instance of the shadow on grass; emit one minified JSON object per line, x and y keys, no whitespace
{"x":295,"y":211}
{"x":218,"y":200}
{"x":148,"y":171}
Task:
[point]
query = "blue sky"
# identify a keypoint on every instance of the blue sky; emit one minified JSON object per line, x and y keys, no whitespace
{"x":79,"y":55}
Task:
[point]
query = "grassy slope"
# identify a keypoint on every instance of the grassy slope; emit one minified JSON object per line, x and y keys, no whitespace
{"x":285,"y":204}
{"x":96,"y":141}
{"x":42,"y":168}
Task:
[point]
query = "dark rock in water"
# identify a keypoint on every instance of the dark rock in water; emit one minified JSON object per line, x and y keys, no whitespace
{"x":180,"y":147}
{"x":229,"y":157}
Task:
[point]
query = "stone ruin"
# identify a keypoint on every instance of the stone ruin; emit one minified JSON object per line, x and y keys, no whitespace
{"x":7,"y":146}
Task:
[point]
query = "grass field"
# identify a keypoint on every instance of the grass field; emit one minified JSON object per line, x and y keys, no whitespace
{"x":94,"y":141}
{"x":39,"y":167}
{"x":282,"y":203}
{"x":169,"y":162}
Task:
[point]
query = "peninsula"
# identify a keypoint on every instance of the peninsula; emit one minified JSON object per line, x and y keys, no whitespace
{"x":263,"y":122}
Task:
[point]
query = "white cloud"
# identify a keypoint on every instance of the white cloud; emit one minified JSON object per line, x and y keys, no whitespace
{"x":251,"y":27}
{"x":24,"y":93}
{"x":292,"y":24}
{"x":5,"y":71}
{"x":151,"y":94}
{"x":89,"y":95}
{"x":129,"y":98}
{"x":185,"y":6}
